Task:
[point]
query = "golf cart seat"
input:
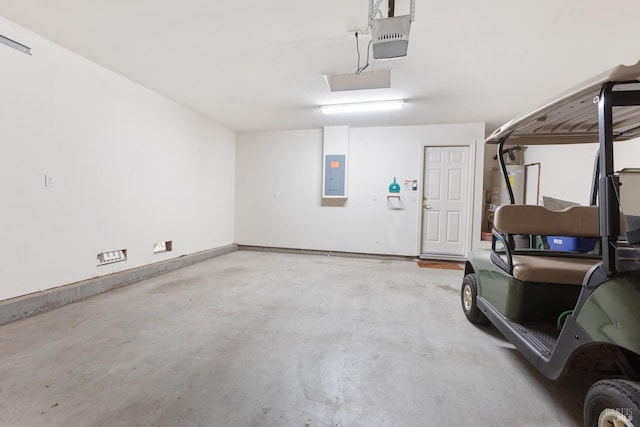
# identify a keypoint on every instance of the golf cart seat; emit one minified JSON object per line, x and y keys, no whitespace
{"x":549,"y":267}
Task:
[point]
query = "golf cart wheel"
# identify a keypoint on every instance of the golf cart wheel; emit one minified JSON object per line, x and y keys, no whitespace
{"x":612,"y":403}
{"x":468,"y":298}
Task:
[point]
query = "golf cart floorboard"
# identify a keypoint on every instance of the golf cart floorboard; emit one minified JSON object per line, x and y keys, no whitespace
{"x":542,"y":336}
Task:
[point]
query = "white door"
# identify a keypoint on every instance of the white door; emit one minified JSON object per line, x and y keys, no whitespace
{"x":444,"y":201}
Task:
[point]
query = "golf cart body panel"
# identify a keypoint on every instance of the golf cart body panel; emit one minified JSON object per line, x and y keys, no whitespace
{"x":518,"y":300}
{"x":611,"y":314}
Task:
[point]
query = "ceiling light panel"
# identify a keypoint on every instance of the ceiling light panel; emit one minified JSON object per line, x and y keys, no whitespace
{"x":379,"y":79}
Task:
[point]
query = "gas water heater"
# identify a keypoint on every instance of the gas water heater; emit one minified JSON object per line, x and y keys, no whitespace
{"x":499,"y":192}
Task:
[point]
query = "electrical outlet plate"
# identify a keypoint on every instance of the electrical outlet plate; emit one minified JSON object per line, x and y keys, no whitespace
{"x":112,"y":256}
{"x":166,"y":246}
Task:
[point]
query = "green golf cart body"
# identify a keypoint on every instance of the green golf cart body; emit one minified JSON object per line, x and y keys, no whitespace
{"x":574,"y":309}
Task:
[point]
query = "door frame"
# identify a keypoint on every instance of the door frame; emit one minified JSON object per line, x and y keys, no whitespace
{"x":473,"y":187}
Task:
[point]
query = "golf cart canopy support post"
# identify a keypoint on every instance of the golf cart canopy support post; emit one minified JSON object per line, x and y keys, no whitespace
{"x":609,"y":181}
{"x":595,"y":181}
{"x":503,"y":167}
{"x":609,"y":209}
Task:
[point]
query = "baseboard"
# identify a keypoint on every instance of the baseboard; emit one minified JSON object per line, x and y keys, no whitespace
{"x":39,"y":302}
{"x":444,"y":257}
{"x":326,"y":253}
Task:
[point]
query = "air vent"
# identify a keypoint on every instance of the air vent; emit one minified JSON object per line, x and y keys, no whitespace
{"x":112,"y":256}
{"x":166,"y":246}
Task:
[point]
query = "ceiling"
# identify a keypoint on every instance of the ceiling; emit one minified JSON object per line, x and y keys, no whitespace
{"x":260,"y":65}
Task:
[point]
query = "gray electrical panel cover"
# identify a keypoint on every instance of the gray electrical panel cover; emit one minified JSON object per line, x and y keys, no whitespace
{"x":334,"y":175}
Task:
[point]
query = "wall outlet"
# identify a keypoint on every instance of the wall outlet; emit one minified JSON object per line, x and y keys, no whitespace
{"x":166,"y":246}
{"x":112,"y":256}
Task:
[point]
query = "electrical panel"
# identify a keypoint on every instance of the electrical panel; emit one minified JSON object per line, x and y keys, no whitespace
{"x":334,"y":159}
{"x":334,"y":175}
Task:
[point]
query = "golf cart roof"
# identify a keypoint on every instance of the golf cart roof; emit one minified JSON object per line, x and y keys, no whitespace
{"x":572,"y":117}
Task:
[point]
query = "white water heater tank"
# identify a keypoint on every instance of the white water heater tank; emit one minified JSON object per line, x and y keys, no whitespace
{"x":499,"y":191}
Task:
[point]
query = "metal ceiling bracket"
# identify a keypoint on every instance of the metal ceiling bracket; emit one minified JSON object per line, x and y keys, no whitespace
{"x":374,"y":5}
{"x":373,"y":8}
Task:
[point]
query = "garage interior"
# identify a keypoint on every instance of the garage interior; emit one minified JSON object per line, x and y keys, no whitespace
{"x":172,"y":254}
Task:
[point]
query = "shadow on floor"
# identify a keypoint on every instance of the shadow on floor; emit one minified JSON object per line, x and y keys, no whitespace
{"x":567,"y":392}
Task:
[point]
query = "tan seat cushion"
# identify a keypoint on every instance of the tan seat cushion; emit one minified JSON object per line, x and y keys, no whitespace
{"x":545,"y":269}
{"x":577,"y":221}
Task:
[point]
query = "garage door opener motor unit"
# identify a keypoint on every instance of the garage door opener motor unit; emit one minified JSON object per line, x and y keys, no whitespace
{"x":389,"y":36}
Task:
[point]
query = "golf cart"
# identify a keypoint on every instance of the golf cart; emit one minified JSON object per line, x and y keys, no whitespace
{"x":574,"y":306}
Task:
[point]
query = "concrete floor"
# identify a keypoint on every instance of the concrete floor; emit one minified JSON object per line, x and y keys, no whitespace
{"x":270,"y":339}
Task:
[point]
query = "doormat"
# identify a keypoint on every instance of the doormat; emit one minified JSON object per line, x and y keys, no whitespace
{"x":439,"y":264}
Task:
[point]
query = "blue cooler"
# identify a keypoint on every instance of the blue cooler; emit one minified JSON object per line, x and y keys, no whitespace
{"x":571,"y":244}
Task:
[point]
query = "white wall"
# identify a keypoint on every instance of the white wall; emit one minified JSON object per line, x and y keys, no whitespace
{"x":131,"y":168}
{"x":566,"y":170}
{"x":279,"y":184}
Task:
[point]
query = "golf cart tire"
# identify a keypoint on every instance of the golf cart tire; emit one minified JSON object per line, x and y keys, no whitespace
{"x":612,"y":402}
{"x":468,"y":299}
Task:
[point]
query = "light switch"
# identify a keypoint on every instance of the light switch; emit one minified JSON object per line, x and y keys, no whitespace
{"x":49,"y":181}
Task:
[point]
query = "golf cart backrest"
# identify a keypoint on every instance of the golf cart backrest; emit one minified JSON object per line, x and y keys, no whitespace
{"x":576,"y":221}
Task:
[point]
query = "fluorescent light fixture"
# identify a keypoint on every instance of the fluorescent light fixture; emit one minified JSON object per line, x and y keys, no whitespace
{"x":15,"y":45}
{"x":361,"y":107}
